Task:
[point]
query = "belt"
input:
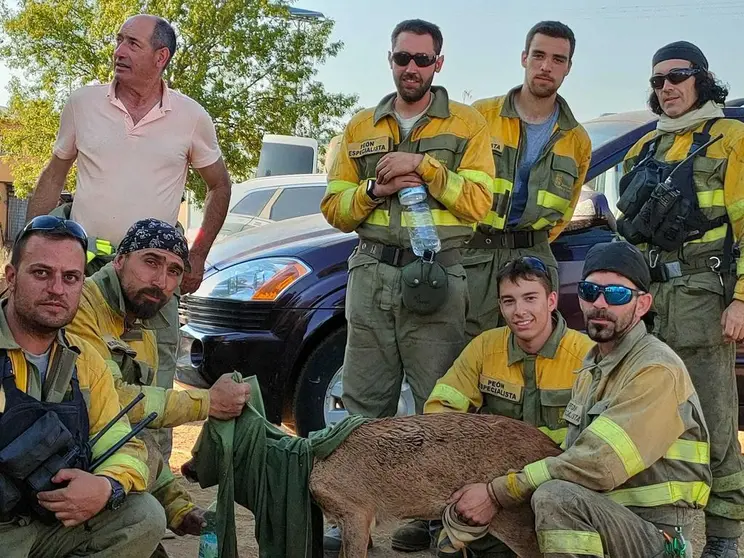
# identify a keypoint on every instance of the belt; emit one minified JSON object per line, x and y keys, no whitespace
{"x":399,"y":257}
{"x":662,"y":272}
{"x":510,"y":239}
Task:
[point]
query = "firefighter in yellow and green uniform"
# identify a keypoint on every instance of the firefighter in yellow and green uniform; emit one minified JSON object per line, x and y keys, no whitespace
{"x":48,"y":372}
{"x":635,"y":470}
{"x":406,"y":311}
{"x":120,"y":312}
{"x":524,"y":370}
{"x":102,"y":251}
{"x":413,"y":137}
{"x":541,"y":156}
{"x":697,"y":278}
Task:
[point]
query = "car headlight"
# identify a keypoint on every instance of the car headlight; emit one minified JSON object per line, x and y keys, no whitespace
{"x":263,"y":279}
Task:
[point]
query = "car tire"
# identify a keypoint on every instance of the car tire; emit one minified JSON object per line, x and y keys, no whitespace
{"x":316,"y":374}
{"x":317,"y":401}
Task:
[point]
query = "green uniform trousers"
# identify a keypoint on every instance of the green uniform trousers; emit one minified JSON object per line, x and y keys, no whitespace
{"x":573,"y":521}
{"x":482,"y":267}
{"x":688,"y":318}
{"x":385,"y":338}
{"x":132,"y":531}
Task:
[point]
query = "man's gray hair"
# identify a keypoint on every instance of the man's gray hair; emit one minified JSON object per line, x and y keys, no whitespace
{"x":164,"y":36}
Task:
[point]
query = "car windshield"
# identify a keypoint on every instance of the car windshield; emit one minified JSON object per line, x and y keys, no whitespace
{"x":603,"y":131}
{"x":281,"y":159}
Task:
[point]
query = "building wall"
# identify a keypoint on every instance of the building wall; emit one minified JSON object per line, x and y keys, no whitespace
{"x":6,"y":179}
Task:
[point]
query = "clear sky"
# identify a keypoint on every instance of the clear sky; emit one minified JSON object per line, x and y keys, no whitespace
{"x":483,"y":40}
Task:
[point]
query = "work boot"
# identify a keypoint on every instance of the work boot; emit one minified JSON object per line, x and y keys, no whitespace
{"x":721,"y":547}
{"x":412,"y":537}
{"x":332,"y":541}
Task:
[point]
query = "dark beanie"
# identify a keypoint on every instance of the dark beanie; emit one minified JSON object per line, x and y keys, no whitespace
{"x":681,"y":50}
{"x":620,"y":257}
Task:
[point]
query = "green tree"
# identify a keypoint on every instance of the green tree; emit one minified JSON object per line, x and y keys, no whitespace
{"x":250,"y":63}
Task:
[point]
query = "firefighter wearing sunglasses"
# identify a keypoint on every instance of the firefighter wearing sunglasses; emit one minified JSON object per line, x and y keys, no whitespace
{"x":682,"y":199}
{"x":635,"y":468}
{"x":541,"y":154}
{"x":524,"y":370}
{"x":415,"y":136}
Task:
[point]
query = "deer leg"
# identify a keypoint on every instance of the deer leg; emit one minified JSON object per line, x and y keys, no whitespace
{"x":516,"y":528}
{"x":355,"y":532}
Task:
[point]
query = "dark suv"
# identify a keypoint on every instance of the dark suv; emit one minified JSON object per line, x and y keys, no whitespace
{"x":272,"y":302}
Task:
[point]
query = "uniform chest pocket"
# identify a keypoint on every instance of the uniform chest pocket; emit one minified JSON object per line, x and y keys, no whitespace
{"x":132,"y":370}
{"x":564,"y":173}
{"x":447,"y":149}
{"x":494,"y":405}
{"x":500,"y":397}
{"x":366,"y":154}
{"x":595,"y":410}
{"x":709,"y":173}
{"x":553,"y":406}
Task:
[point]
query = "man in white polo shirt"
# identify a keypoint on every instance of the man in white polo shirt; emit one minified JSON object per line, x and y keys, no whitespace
{"x":134,"y":140}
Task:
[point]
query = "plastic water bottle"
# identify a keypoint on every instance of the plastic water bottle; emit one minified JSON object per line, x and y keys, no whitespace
{"x":208,"y":547}
{"x":412,"y":195}
{"x":419,"y":220}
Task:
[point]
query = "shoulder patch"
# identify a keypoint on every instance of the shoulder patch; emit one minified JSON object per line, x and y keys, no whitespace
{"x":497,"y":146}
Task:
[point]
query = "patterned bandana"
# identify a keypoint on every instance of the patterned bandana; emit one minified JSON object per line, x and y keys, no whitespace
{"x":153,"y":233}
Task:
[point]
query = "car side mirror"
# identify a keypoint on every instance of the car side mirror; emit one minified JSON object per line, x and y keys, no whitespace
{"x":591,"y":211}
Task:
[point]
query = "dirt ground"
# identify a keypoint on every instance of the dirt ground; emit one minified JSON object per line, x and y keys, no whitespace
{"x":188,"y":546}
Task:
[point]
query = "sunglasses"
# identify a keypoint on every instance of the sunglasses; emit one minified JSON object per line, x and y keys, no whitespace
{"x":421,"y":60}
{"x":615,"y":295}
{"x":676,"y":76}
{"x":48,"y":223}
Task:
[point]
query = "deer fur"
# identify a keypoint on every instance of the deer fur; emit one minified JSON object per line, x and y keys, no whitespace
{"x":407,"y":468}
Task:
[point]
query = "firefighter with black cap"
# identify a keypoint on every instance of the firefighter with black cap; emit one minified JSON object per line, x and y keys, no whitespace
{"x":682,"y":199}
{"x":635,"y":469}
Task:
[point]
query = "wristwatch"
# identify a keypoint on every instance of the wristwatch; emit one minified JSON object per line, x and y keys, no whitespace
{"x":370,"y":190}
{"x":117,"y":494}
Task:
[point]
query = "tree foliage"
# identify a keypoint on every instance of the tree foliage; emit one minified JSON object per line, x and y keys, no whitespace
{"x":250,"y":63}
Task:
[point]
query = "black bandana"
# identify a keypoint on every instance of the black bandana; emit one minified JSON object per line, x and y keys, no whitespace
{"x":153,"y":233}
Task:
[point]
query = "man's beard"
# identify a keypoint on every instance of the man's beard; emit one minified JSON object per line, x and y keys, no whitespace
{"x":543,"y":91}
{"x":415,"y":95}
{"x":142,"y":308}
{"x":602,"y":333}
{"x":37,"y":322}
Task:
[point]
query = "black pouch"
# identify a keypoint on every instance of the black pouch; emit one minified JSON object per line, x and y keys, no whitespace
{"x":10,"y":495}
{"x":41,"y":479}
{"x":425,"y":285}
{"x":636,"y":187}
{"x":46,"y":437}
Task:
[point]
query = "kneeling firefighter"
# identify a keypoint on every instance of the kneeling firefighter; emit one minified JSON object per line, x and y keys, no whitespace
{"x":68,"y":462}
{"x":682,"y":200}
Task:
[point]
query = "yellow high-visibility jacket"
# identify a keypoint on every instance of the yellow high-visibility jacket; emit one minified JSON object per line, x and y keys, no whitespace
{"x":494,"y":375}
{"x":556,"y":177}
{"x":457,"y":170}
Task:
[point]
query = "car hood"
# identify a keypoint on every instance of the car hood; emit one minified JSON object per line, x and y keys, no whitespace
{"x":290,"y":236}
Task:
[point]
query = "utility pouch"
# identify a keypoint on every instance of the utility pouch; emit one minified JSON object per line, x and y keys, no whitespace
{"x":46,"y":437}
{"x":10,"y":496}
{"x":636,"y":186}
{"x":663,"y":218}
{"x":425,"y":284}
